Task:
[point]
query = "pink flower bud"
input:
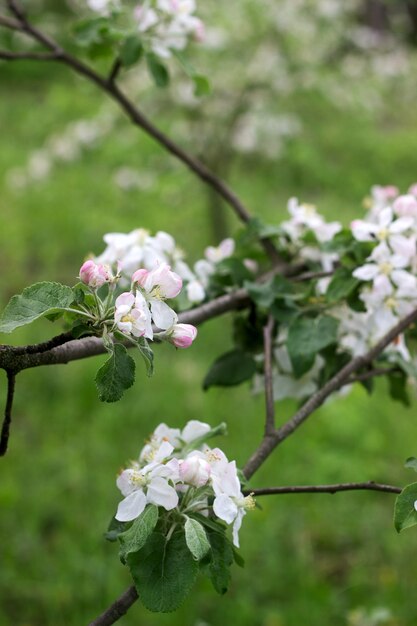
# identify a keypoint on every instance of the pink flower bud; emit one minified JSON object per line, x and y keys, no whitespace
{"x":182,"y":335}
{"x":139,"y":277}
{"x":405,"y":206}
{"x":94,"y":275}
{"x":194,"y":471}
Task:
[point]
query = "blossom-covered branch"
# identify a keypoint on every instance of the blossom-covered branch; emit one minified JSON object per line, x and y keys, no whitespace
{"x":271,"y":441}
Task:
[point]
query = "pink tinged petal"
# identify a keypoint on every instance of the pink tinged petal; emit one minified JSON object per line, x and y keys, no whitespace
{"x":174,"y":469}
{"x":86,"y":271}
{"x":366,"y":272}
{"x":162,"y":494}
{"x":405,"y":205}
{"x":163,"y":316}
{"x":140,"y":276}
{"x":225,"y":508}
{"x":125,"y":299}
{"x":183,"y":335}
{"x":131,"y":507}
{"x":169,"y":283}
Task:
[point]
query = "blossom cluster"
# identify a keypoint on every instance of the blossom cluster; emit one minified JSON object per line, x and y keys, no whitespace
{"x":139,"y":249}
{"x":177,"y":471}
{"x":135,"y":310}
{"x":164,"y":25}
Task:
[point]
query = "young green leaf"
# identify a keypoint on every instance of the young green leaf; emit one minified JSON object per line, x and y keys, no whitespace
{"x":230,"y":369}
{"x":147,"y":355}
{"x":221,"y":560}
{"x":116,"y":528}
{"x":163,"y":572}
{"x":116,"y":375}
{"x":411,"y":463}
{"x":306,"y":337}
{"x":157,"y":70}
{"x":196,"y":539}
{"x":135,"y":538}
{"x":201,"y":85}
{"x":34,"y":302}
{"x":341,"y":285}
{"x":131,"y":50}
{"x":405,"y":514}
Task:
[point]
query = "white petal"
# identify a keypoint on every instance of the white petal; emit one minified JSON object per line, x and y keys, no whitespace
{"x":162,"y":494}
{"x":193,"y":430}
{"x":225,"y":508}
{"x":385,"y":217}
{"x":404,"y":280}
{"x":131,"y":507}
{"x":366,"y":272}
{"x":400,"y":225}
{"x":163,"y":316}
{"x":236,"y":526}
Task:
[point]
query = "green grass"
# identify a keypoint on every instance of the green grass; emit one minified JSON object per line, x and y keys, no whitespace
{"x":309,"y":559}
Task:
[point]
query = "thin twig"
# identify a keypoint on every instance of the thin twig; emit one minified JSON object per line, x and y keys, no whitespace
{"x":373,"y":373}
{"x":139,"y":119}
{"x":270,"y":442}
{"x":269,"y":383}
{"x":39,"y":348}
{"x":5,"y":55}
{"x":7,"y":420}
{"x":7,"y":22}
{"x":115,"y":69}
{"x":311,"y":276}
{"x":370,"y":486}
{"x":117,"y":609}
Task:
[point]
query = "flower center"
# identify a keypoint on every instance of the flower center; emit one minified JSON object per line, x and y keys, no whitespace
{"x":383,"y":234}
{"x":137,"y":479}
{"x":391,"y":303}
{"x":127,"y":318}
{"x":386,"y":268}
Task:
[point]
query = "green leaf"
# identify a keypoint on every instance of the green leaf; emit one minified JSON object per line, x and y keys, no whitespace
{"x":341,"y":285}
{"x":135,"y":538}
{"x":398,"y":387}
{"x":405,"y":514}
{"x":115,"y":528}
{"x":147,"y":355}
{"x":157,"y":70}
{"x":221,"y":560}
{"x":211,"y":524}
{"x":306,"y":337}
{"x":131,"y":50}
{"x":201,"y":85}
{"x":163,"y":572}
{"x":261,"y":294}
{"x":116,"y":375}
{"x":196,"y":539}
{"x":230,"y":369}
{"x":411,"y":463}
{"x":34,"y":302}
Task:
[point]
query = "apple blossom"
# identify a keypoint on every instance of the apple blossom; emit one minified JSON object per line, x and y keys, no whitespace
{"x":132,"y":315}
{"x":95,"y":275}
{"x":182,"y":335}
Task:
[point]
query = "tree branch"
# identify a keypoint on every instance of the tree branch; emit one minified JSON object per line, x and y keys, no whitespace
{"x":271,"y":441}
{"x":377,"y":371}
{"x":7,"y":420}
{"x":269,"y":385}
{"x":370,"y":486}
{"x":7,"y":22}
{"x":138,"y":119}
{"x":30,"y":56}
{"x":117,"y":609}
{"x":115,"y":69}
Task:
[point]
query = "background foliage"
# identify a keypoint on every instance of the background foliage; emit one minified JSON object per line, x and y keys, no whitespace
{"x":321,"y":560}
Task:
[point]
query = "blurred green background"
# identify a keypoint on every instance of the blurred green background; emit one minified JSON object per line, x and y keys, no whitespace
{"x":316,"y":559}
